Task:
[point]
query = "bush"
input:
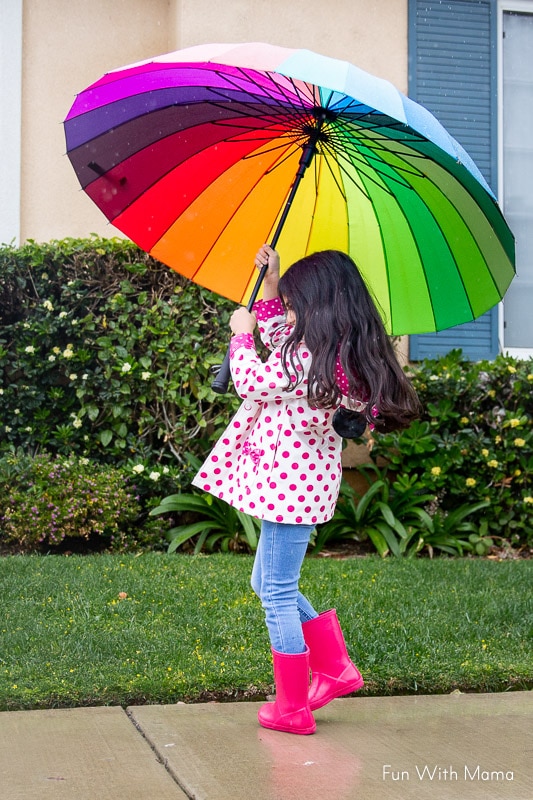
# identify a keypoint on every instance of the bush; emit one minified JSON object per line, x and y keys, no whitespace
{"x":51,"y":501}
{"x":473,"y":445}
{"x":106,"y":353}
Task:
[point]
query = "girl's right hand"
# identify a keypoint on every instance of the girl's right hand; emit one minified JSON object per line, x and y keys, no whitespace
{"x":267,"y":255}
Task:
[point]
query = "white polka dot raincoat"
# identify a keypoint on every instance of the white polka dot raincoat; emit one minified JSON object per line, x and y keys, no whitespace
{"x":278,"y":459}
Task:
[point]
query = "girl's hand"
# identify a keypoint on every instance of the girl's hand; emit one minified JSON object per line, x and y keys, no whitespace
{"x":266,"y":255}
{"x":242,"y":321}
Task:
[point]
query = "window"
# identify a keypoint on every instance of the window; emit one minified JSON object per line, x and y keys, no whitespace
{"x":516,"y":168}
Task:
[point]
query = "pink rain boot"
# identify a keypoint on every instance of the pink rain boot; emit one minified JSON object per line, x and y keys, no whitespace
{"x":290,"y":711}
{"x":333,"y":674}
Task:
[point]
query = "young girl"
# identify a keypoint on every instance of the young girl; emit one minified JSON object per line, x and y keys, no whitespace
{"x":280,"y":458}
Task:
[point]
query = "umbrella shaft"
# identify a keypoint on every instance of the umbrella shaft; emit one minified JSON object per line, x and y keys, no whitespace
{"x":221,"y":381}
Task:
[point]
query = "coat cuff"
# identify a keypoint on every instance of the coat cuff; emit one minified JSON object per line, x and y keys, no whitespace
{"x":241,"y":340}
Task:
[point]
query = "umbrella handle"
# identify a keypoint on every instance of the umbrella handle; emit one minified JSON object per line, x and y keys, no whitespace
{"x":223,"y":375}
{"x":221,"y":381}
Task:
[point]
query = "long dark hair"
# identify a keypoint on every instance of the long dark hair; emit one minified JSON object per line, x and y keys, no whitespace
{"x":337,"y":318}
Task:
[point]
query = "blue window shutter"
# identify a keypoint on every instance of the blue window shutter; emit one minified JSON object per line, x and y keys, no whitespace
{"x":453,"y":73}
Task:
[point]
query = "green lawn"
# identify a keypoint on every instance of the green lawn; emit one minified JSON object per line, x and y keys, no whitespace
{"x":191,"y":628}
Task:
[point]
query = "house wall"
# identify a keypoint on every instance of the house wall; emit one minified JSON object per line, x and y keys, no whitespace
{"x":68,"y":44}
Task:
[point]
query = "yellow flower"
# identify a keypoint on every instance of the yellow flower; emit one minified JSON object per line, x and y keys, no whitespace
{"x":512,"y":370}
{"x":470,"y":481}
{"x":517,"y":473}
{"x":491,"y":393}
{"x":528,"y":499}
{"x":493,"y":463}
{"x":465,"y":420}
{"x":436,"y":471}
{"x":484,"y":452}
{"x":497,"y":439}
{"x":530,"y":377}
{"x":514,"y":423}
{"x":519,"y":442}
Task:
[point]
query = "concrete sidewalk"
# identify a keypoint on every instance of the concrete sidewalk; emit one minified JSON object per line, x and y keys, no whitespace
{"x":473,"y":747}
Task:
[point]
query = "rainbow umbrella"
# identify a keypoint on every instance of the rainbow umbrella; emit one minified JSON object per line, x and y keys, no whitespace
{"x":197,"y":156}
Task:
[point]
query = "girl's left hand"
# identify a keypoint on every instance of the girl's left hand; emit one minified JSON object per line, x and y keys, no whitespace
{"x":242,"y":321}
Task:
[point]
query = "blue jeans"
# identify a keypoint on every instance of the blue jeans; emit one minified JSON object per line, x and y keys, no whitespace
{"x":275,"y":575}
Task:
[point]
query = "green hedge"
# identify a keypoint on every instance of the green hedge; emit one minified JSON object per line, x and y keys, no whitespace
{"x":106,"y":353}
{"x":105,"y":358}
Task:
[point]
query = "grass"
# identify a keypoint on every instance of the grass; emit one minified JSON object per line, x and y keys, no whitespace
{"x":191,"y":629}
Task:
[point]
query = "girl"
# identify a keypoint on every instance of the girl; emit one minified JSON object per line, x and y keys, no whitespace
{"x":280,"y":458}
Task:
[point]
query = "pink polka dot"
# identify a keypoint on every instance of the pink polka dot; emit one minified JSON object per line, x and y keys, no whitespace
{"x":271,"y":506}
{"x":279,"y":518}
{"x":290,"y":508}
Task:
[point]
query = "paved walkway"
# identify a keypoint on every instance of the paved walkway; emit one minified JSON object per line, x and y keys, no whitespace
{"x":473,"y":747}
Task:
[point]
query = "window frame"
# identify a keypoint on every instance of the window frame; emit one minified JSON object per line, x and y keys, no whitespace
{"x":521,"y":7}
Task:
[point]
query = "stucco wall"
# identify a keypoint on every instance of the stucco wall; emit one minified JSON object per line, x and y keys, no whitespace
{"x":68,"y":44}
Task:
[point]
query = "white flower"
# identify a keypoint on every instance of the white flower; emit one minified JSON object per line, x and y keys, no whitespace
{"x":29,"y":349}
{"x":48,"y":305}
{"x":146,"y":376}
{"x":84,"y":376}
{"x":73,"y":376}
{"x":51,"y":358}
{"x":28,"y":429}
{"x":84,"y":461}
{"x":77,"y":423}
{"x":154,"y":476}
{"x":126,"y":367}
{"x":17,"y":411}
{"x":56,"y":350}
{"x":433,"y":377}
{"x":165,"y":470}
{"x":138,"y":468}
{"x":1,"y":391}
{"x":63,"y":314}
{"x":8,"y":429}
{"x":68,"y":352}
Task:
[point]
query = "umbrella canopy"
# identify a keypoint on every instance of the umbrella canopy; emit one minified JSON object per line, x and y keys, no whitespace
{"x":193,"y":155}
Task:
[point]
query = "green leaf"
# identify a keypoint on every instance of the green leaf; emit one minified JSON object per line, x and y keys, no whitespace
{"x":106,"y":437}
